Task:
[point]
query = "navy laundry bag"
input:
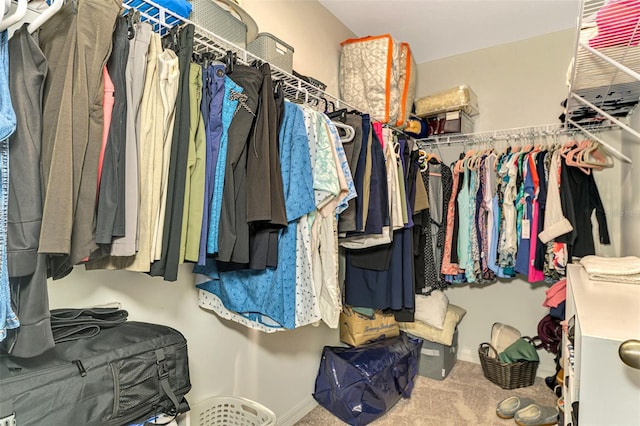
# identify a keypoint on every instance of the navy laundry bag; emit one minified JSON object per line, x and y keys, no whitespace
{"x":360,"y":384}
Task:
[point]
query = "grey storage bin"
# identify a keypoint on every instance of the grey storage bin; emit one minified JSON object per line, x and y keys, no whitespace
{"x":437,"y":360}
{"x":273,"y":50}
{"x":216,"y":19}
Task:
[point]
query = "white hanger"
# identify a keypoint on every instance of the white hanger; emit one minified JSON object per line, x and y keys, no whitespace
{"x":2,"y":6}
{"x":350,"y":131}
{"x":55,"y":6}
{"x":17,"y":16}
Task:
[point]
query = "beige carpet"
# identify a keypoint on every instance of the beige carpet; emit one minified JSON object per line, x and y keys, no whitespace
{"x":465,"y":397}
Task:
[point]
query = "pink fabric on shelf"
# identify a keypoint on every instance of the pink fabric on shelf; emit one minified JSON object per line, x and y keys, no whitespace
{"x":107,"y":109}
{"x":556,"y":294}
{"x":617,"y":24}
{"x":377,"y":127}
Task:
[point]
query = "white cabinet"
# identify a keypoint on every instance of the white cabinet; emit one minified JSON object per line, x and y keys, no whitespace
{"x":606,"y":314}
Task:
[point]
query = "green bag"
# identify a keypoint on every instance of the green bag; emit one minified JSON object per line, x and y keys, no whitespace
{"x":522,"y":349}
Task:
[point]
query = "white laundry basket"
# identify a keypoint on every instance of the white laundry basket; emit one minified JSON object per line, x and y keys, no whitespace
{"x":230,"y":411}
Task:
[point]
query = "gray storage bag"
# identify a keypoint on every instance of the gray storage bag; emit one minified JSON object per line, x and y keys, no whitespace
{"x":123,"y":374}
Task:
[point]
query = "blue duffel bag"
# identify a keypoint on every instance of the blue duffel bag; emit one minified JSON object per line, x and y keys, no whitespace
{"x":358,"y":385}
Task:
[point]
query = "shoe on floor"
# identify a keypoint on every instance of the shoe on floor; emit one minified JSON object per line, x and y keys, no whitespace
{"x":536,"y":415}
{"x":508,"y":407}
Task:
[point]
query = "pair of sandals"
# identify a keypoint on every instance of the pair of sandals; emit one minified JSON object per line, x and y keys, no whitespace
{"x":526,"y":412}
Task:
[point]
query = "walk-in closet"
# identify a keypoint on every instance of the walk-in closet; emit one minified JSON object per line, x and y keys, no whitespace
{"x":319,"y":212}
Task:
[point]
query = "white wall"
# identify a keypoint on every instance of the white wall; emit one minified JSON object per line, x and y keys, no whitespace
{"x":630,"y":211}
{"x":276,"y":370}
{"x":518,"y":84}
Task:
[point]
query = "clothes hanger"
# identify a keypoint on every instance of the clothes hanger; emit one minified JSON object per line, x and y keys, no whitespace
{"x":339,"y":115}
{"x":350,"y":132}
{"x":17,"y":16}
{"x":571,"y":156}
{"x":230,"y":59}
{"x":602,"y":157}
{"x":55,"y":6}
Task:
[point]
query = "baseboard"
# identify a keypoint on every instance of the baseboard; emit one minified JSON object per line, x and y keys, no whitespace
{"x":301,"y":409}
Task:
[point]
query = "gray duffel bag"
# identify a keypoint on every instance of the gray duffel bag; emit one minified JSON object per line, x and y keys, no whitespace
{"x":121,"y":375}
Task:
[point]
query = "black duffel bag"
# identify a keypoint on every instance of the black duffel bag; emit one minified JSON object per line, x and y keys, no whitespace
{"x":123,"y":374}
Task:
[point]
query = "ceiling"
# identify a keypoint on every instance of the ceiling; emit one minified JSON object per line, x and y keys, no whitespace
{"x":441,"y":28}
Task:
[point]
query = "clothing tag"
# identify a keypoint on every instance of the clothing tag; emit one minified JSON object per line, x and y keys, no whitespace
{"x":526,"y":229}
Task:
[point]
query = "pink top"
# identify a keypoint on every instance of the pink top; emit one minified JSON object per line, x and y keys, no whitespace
{"x":107,"y":108}
{"x":534,"y":275}
{"x":377,"y":127}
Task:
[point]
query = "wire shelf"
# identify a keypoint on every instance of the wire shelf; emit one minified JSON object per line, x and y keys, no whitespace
{"x":606,"y":64}
{"x":295,"y":89}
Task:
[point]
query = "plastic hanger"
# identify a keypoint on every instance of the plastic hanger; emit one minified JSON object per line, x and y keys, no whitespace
{"x":350,"y":131}
{"x":595,"y":151}
{"x":571,"y":157}
{"x":339,"y":115}
{"x":17,"y":16}
{"x":55,"y":6}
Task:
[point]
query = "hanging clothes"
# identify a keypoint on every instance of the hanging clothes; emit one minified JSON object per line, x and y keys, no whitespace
{"x":194,"y":184}
{"x":581,"y":192}
{"x":212,"y":113}
{"x":233,"y":235}
{"x":230,"y":98}
{"x":265,"y":199}
{"x":432,"y":227}
{"x":8,"y":319}
{"x":268,"y":296}
{"x":110,"y":210}
{"x":27,"y":269}
{"x":72,"y":127}
{"x":167,"y":265}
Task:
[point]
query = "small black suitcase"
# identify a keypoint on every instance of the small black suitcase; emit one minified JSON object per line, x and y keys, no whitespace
{"x":123,"y":374}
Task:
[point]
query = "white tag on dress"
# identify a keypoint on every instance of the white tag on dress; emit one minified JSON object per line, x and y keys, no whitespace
{"x":526,"y":229}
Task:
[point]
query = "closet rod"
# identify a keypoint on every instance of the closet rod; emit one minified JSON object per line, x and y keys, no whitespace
{"x":513,"y":134}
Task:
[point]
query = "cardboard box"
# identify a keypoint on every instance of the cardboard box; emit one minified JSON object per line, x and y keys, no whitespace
{"x":437,"y":360}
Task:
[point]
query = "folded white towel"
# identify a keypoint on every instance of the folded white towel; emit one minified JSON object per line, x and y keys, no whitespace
{"x":626,"y":279}
{"x":621,"y":269}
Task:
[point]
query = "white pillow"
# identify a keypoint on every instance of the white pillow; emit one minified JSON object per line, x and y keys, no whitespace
{"x":432,"y":309}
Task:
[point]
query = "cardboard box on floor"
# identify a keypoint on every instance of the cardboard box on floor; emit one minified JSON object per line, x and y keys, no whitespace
{"x":437,"y":360}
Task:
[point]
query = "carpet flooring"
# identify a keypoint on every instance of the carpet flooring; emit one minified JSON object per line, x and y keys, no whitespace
{"x":465,"y":397}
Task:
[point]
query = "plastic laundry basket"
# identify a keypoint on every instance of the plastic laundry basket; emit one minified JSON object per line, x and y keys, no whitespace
{"x":230,"y":410}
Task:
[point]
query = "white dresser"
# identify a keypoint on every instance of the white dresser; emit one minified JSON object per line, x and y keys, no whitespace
{"x":606,"y":314}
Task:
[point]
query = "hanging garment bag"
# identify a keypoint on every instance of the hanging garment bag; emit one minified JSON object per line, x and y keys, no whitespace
{"x":122,"y":374}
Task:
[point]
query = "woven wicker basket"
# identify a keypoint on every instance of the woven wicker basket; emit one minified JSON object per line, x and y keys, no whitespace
{"x":506,"y":375}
